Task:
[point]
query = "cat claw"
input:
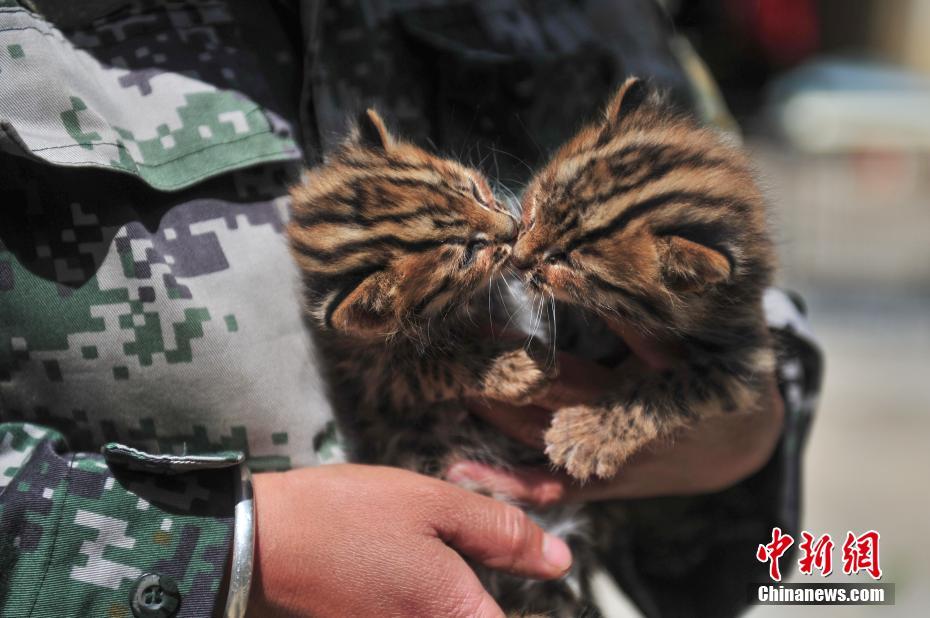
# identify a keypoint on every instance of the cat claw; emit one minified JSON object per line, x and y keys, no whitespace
{"x":516,"y":377}
{"x":580,"y":441}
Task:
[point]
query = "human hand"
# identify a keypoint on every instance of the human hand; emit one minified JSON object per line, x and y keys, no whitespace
{"x":714,"y":454}
{"x":353,"y":540}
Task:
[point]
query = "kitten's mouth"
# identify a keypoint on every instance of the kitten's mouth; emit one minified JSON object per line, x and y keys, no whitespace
{"x":537,"y":284}
{"x":500,"y":254}
{"x":536,"y":281}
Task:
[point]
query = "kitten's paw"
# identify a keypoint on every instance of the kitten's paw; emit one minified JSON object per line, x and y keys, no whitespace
{"x":590,"y":441}
{"x":517,"y":376}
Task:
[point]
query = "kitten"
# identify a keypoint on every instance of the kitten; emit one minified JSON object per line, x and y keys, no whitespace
{"x":656,"y":224}
{"x":392,"y":242}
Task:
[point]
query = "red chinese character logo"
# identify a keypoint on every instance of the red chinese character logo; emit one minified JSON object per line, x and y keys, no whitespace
{"x":817,"y":554}
{"x":774,"y":550}
{"x":861,"y":554}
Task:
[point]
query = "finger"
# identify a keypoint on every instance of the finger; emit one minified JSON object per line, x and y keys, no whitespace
{"x":713,"y":455}
{"x":580,"y":381}
{"x":531,"y":486}
{"x":525,"y":424}
{"x":657,"y":355}
{"x":462,"y":596}
{"x":502,"y":537}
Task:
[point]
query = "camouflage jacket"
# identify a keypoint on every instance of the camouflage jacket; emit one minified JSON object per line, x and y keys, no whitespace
{"x":150,"y":333}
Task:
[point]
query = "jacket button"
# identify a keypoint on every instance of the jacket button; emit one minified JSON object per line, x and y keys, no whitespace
{"x":155,"y":596}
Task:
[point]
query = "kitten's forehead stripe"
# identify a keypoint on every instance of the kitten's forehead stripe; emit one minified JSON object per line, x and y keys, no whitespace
{"x":382,"y":231}
{"x":442,"y":287}
{"x":393,"y":242}
{"x":640,"y":203}
{"x":625,"y":174}
{"x":642,"y":302}
{"x":655,"y":202}
{"x":312,"y":218}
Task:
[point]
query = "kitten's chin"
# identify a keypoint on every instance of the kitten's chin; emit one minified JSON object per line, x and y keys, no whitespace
{"x":564,"y":297}
{"x":540,"y":288}
{"x":494,"y":259}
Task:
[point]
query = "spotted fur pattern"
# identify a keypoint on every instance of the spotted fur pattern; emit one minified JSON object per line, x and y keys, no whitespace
{"x":656,"y":224}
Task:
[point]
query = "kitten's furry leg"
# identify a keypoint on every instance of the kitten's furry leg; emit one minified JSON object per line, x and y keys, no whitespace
{"x":484,"y":370}
{"x":517,"y":375}
{"x":596,"y":440}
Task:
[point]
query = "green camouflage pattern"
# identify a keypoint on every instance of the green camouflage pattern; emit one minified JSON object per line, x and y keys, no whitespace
{"x":147,"y":297}
{"x":122,"y":93}
{"x":168,"y":321}
{"x":75,"y":534}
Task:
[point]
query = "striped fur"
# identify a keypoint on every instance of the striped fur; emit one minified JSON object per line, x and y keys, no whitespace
{"x":656,"y":223}
{"x":392,"y":242}
{"x":388,"y":236}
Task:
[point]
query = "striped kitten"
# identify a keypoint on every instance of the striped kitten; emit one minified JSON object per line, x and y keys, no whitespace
{"x":392,"y":242}
{"x":656,"y":224}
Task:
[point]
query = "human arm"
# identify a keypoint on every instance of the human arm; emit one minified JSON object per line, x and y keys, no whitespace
{"x":715,"y":454}
{"x":78,"y":533}
{"x":352,"y":540}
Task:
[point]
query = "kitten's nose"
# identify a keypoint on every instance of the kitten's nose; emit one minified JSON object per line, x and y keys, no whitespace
{"x":521,"y":257}
{"x":512,"y":234}
{"x":506,"y":231}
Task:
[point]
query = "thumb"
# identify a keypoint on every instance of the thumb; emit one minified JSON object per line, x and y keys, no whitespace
{"x":533,"y":486}
{"x":462,"y":595}
{"x":502,"y":537}
{"x":657,"y":355}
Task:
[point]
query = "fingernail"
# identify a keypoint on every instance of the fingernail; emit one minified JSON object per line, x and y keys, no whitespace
{"x":556,"y":552}
{"x":459,"y":473}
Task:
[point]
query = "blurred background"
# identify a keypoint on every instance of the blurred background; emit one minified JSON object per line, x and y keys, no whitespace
{"x":833,"y":97}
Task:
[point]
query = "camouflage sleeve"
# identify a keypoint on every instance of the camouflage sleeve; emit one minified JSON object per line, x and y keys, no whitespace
{"x":88,"y":535}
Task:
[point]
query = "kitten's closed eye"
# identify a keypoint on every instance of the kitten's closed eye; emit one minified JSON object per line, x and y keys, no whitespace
{"x":643,"y":213}
{"x":389,"y":235}
{"x":473,"y":247}
{"x":556,"y":257}
{"x":652,"y":221}
{"x":476,"y":193}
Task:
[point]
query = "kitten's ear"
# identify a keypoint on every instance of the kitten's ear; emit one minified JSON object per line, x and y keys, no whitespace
{"x":371,"y":132}
{"x":689,"y":266}
{"x":631,"y":96}
{"x":366,"y":310}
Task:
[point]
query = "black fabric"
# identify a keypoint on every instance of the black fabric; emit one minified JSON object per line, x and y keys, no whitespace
{"x":500,"y":85}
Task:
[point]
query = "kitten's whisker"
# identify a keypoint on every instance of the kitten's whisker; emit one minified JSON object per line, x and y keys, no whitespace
{"x":507,"y":307}
{"x":529,"y":332}
{"x":500,"y":294}
{"x":514,"y":157}
{"x":511,"y":316}
{"x":538,"y":320}
{"x":490,"y":314}
{"x":481,"y":162}
{"x":529,"y":134}
{"x":553,"y":328}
